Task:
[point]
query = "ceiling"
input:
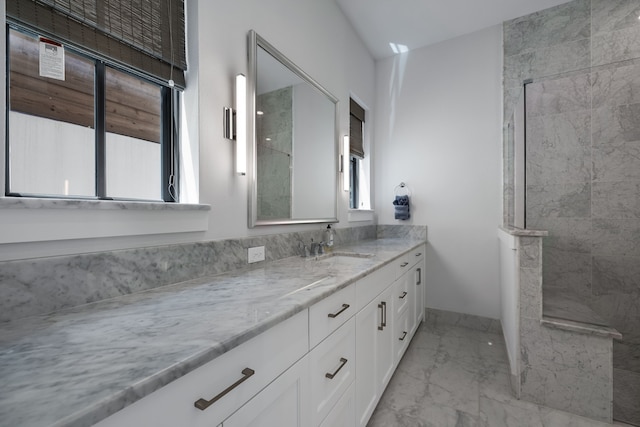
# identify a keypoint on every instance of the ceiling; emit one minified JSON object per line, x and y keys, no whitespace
{"x":388,"y":27}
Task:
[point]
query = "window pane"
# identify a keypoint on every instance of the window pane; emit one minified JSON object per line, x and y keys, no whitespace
{"x":51,"y":135}
{"x":133,"y":150}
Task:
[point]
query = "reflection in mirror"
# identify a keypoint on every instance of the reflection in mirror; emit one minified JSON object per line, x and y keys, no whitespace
{"x":295,"y":144}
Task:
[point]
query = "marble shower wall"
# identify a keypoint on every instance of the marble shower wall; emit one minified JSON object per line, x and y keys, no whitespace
{"x":583,"y":167}
{"x":274,"y":132}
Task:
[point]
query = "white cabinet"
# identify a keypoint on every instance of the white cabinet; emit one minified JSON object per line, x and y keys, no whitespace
{"x":402,"y":334}
{"x":418,"y":300}
{"x":226,"y":382}
{"x":374,"y":353}
{"x":344,"y":413}
{"x":326,"y":366}
{"x":284,"y":403}
{"x":327,"y":315}
{"x":419,"y":286}
{"x":333,"y":369}
{"x":403,"y":294}
{"x":391,"y":306}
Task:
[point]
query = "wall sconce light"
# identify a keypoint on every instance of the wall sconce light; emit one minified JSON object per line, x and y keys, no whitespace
{"x":345,"y":163}
{"x":235,"y":124}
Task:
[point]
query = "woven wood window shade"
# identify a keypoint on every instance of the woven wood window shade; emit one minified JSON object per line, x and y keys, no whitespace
{"x":356,"y":121}
{"x":145,"y":35}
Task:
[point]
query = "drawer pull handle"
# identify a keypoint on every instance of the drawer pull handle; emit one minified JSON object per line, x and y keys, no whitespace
{"x":343,"y":362}
{"x":204,"y":404}
{"x":384,"y":319}
{"x":404,"y":264}
{"x":381,"y":326}
{"x":404,"y":335}
{"x":419,"y":253}
{"x":419,"y":271}
{"x":404,"y":294}
{"x":334,"y":315}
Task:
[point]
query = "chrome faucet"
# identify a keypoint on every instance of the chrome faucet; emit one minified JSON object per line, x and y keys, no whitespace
{"x":317,"y":248}
{"x":313,"y":249}
{"x":305,"y":249}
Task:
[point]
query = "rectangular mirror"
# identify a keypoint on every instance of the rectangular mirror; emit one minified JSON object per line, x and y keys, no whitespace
{"x":293,"y":139}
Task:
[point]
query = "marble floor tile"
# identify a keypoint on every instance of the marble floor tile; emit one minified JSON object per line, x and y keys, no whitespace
{"x":451,"y":377}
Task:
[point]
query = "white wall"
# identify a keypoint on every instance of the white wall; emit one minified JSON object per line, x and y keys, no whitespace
{"x":438,"y":129}
{"x":313,"y":34}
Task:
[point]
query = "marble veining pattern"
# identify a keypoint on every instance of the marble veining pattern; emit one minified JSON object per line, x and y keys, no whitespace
{"x":104,"y":356}
{"x":44,"y":285}
{"x":586,"y":195}
{"x":479,"y":393}
{"x":626,"y":392}
{"x":560,"y":24}
{"x":616,"y":46}
{"x":402,"y":232}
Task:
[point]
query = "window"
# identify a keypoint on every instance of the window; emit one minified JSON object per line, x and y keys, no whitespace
{"x":357,"y":155}
{"x":93,"y":98}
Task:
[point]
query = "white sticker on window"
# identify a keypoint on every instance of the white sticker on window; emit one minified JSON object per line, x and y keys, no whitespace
{"x":51,"y":59}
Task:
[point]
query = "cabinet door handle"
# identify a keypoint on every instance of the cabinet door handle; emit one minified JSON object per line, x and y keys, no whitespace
{"x":343,"y":362}
{"x":404,"y":294}
{"x":404,"y":264}
{"x":404,"y":335}
{"x":419,"y":253}
{"x":203,"y":404}
{"x":419,"y":271}
{"x":333,"y":315}
{"x":381,"y":326}
{"x":384,"y":318}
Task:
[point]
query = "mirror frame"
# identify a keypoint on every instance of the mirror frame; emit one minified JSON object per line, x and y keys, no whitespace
{"x":256,"y":42}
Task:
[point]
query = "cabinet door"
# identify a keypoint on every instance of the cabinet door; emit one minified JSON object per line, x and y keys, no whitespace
{"x":374,"y":354}
{"x":283,"y":403}
{"x":368,"y":320}
{"x":344,"y":413}
{"x":384,"y":344}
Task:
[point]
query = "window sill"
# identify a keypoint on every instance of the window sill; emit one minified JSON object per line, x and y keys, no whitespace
{"x":38,"y":220}
{"x":360,"y":215}
{"x":52,"y":203}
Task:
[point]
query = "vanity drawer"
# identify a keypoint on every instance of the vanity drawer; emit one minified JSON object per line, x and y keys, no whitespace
{"x":402,"y":294}
{"x":370,"y":286}
{"x":329,"y":314}
{"x":417,"y":255}
{"x":408,"y":260}
{"x":332,"y":370}
{"x":403,"y":264}
{"x":266,"y":355}
{"x":402,"y":336}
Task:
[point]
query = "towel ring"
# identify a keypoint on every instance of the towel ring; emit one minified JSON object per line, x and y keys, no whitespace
{"x":402,"y":188}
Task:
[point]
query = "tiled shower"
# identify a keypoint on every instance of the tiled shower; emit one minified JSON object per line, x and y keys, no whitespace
{"x":583,"y":166}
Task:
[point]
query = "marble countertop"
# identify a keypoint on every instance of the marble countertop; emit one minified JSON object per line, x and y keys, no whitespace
{"x":78,"y":366}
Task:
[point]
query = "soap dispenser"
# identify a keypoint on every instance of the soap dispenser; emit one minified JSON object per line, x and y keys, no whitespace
{"x":328,"y":236}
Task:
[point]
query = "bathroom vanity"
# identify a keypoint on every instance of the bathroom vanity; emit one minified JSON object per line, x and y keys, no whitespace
{"x":299,"y":341}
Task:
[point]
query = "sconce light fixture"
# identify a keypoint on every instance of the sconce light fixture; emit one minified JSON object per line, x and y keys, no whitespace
{"x":345,"y":163}
{"x":235,"y":124}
